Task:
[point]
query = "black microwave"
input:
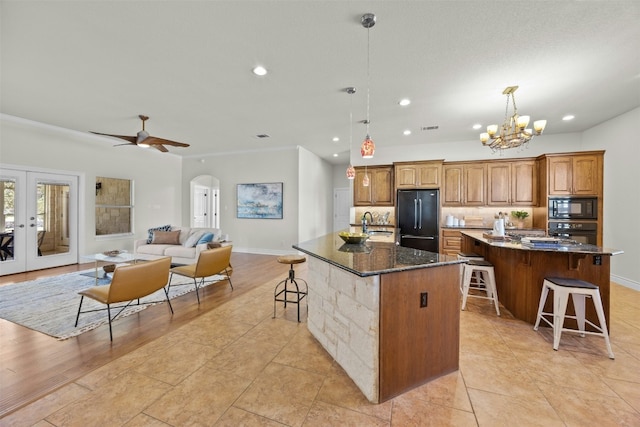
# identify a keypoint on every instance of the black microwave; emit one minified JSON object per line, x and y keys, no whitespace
{"x":573,"y":208}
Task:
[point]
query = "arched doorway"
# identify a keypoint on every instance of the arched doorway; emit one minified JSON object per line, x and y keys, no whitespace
{"x":205,"y":201}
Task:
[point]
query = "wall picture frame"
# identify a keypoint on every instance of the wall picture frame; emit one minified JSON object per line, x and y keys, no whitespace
{"x":260,"y":200}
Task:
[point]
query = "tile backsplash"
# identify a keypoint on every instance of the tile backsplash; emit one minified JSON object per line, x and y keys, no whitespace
{"x":487,"y":214}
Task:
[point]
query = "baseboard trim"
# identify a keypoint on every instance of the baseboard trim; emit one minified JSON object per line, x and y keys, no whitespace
{"x":625,"y":282}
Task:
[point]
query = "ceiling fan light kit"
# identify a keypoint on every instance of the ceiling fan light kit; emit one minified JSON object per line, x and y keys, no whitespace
{"x":143,"y":139}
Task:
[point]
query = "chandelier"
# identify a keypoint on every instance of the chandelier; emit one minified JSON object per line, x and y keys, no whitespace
{"x":513,"y":132}
{"x":367,"y":148}
{"x":351,"y":172}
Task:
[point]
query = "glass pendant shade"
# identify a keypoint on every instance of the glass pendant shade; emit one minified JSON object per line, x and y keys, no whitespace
{"x":365,"y":180}
{"x":368,"y":148}
{"x":351,"y":172}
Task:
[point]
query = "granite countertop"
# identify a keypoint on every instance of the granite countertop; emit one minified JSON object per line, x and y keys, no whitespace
{"x":564,"y":247}
{"x":371,"y":258}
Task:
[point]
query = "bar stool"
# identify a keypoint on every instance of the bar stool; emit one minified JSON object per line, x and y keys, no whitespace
{"x":579,"y":290}
{"x":282,"y":293}
{"x":468,"y":256}
{"x":487,"y":282}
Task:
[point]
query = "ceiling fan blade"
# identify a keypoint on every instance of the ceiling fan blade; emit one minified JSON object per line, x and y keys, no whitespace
{"x":152,"y":140}
{"x":160,"y":147}
{"x":131,"y":139}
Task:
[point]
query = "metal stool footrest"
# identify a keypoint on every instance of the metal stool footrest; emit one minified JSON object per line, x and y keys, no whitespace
{"x":283,"y":294}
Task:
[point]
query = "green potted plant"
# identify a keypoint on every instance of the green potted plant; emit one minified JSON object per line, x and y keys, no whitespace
{"x":520,"y":217}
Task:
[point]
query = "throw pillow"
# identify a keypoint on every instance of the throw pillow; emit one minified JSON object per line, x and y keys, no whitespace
{"x":161,"y":228}
{"x":193,"y":238}
{"x":206,"y":238}
{"x":166,"y":238}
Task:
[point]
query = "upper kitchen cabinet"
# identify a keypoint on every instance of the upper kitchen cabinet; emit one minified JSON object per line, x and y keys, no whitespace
{"x":464,"y":184}
{"x":575,"y":175}
{"x":512,"y":183}
{"x":380,"y":191}
{"x":411,"y":175}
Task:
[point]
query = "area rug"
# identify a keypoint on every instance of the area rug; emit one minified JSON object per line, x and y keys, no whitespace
{"x":50,"y":305}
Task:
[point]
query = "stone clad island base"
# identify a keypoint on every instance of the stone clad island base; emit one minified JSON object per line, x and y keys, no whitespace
{"x":390,"y":332}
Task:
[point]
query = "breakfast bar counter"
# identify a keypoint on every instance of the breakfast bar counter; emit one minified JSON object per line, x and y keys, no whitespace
{"x":389,"y":315}
{"x":520,"y":271}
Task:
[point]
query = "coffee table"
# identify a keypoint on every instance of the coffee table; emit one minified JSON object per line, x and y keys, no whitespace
{"x":122,"y":257}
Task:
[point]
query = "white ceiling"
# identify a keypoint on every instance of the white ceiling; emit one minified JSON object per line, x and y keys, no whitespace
{"x":96,"y":65}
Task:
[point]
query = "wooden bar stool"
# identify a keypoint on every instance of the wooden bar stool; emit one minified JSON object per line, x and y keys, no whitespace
{"x":487,"y":282}
{"x":579,"y":290}
{"x":288,"y":295}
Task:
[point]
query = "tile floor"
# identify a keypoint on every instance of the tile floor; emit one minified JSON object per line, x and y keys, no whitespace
{"x":236,"y":366}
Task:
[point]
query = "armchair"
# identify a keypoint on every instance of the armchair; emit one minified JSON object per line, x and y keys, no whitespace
{"x":129,"y":283}
{"x":210,"y":262}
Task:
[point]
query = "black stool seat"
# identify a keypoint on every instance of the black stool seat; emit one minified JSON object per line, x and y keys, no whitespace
{"x":571,"y":283}
{"x":479,"y":263}
{"x":285,"y":294}
{"x":469,"y":255}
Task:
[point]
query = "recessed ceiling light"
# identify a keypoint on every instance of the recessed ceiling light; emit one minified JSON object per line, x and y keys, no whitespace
{"x":568,"y":117}
{"x":259,"y":70}
{"x":406,"y":132}
{"x":404,"y":102}
{"x":336,"y":139}
{"x":477,"y":126}
{"x":335,"y":154}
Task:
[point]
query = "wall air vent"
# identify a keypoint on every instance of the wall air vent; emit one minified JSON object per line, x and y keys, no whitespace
{"x":262,"y":135}
{"x":430,"y":127}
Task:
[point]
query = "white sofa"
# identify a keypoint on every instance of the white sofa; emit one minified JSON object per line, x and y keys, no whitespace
{"x":179,"y":253}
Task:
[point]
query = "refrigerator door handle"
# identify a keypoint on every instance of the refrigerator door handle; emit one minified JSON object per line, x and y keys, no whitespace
{"x":409,"y":236}
{"x":415,"y":213}
{"x":420,"y":210}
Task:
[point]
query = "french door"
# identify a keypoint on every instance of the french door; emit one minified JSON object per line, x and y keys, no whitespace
{"x":38,"y":221}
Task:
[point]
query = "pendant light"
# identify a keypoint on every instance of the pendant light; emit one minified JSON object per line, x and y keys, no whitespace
{"x":368,"y":148}
{"x":351,"y":172}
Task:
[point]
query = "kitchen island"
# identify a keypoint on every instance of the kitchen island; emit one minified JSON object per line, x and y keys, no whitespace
{"x":389,"y":315}
{"x":520,"y":271}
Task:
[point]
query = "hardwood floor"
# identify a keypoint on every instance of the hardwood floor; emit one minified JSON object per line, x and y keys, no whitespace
{"x":34,"y":364}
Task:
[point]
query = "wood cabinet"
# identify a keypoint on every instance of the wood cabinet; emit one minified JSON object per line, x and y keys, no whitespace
{"x":450,"y":241}
{"x":464,"y":184}
{"x":512,"y":183}
{"x":380,"y":191}
{"x":575,"y":175}
{"x":425,"y":174}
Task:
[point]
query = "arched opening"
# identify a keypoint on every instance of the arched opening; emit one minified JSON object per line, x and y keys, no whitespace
{"x":205,"y":202}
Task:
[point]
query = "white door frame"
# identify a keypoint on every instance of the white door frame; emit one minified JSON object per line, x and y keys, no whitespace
{"x":25,"y":228}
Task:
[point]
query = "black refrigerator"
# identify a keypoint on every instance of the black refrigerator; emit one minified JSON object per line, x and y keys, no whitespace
{"x":418,"y":221}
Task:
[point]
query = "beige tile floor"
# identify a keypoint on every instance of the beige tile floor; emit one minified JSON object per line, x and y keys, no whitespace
{"x":236,"y":366}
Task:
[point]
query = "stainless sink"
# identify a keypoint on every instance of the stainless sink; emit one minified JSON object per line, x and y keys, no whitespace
{"x":380,"y":232}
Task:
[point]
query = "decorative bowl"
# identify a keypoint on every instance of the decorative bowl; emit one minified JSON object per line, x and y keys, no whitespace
{"x":111,"y":253}
{"x":353,"y":238}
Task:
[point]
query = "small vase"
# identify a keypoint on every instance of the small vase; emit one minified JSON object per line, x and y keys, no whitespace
{"x":520,"y":223}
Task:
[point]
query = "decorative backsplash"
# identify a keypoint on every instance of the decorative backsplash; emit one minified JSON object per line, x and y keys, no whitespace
{"x":378,"y":213}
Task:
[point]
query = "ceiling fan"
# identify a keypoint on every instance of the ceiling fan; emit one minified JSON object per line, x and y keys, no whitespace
{"x":143,"y":139}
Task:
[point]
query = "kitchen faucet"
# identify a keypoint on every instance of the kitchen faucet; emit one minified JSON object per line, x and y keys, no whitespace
{"x":364,"y":221}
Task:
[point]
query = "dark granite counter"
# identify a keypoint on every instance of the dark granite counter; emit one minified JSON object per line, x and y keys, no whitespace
{"x":563,"y":247}
{"x":372,"y":257}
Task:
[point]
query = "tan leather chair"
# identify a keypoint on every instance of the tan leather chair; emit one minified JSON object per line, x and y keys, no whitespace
{"x":129,"y":283}
{"x":210,"y":262}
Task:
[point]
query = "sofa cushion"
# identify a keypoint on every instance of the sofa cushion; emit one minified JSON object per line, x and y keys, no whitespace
{"x":206,"y":238}
{"x":193,"y":238}
{"x":161,"y":228}
{"x":166,"y":237}
{"x":180,"y":251}
{"x":153,"y":249}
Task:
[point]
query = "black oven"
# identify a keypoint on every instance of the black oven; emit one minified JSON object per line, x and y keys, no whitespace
{"x":581,"y":232}
{"x":573,"y":208}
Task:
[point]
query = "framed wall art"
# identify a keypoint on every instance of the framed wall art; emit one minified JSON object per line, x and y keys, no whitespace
{"x":262,"y":201}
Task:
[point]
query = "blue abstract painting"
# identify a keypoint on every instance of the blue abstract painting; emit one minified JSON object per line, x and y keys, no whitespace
{"x":262,"y":201}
